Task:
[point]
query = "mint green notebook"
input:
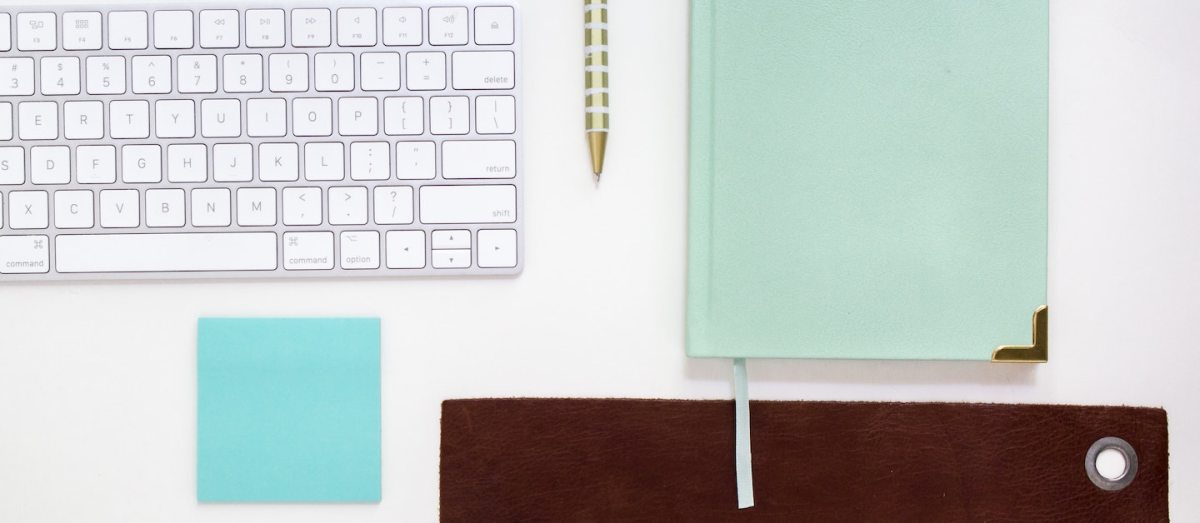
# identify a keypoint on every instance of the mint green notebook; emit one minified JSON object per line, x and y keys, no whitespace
{"x":868,"y":179}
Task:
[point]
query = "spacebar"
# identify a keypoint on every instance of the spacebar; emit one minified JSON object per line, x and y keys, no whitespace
{"x":174,"y":252}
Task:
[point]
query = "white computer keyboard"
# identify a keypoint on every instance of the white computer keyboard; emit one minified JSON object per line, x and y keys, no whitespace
{"x":371,"y":138}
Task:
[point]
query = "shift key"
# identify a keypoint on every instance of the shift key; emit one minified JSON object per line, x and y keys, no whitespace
{"x":468,"y":204}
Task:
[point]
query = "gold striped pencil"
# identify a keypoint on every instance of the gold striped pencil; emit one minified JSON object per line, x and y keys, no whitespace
{"x":595,"y":71}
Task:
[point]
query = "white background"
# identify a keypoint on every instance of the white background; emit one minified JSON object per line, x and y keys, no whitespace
{"x":97,"y":381}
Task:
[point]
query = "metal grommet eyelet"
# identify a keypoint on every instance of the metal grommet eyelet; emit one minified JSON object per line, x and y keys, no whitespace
{"x":1110,"y":481}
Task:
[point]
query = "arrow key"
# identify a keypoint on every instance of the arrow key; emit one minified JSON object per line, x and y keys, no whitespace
{"x":452,"y":259}
{"x":498,"y":248}
{"x":405,"y":249}
{"x":456,"y":239}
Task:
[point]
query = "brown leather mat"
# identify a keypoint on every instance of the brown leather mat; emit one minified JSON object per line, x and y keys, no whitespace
{"x":665,"y":460}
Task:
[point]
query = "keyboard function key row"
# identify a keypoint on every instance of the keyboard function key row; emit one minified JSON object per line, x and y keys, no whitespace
{"x":264,"y":28}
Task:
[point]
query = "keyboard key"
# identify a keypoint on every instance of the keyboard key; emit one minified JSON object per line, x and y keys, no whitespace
{"x":210,"y":207}
{"x":312,"y":117}
{"x":370,"y":161}
{"x":81,"y":31}
{"x":50,"y":165}
{"x":347,"y":205}
{"x":60,"y":75}
{"x":175,"y":119}
{"x":393,"y":205}
{"x":264,"y":28}
{"x":232,"y":162}
{"x":219,"y":28}
{"x":28,"y":210}
{"x":380,"y":71}
{"x":405,"y":249}
{"x":451,"y":258}
{"x":448,"y":25}
{"x":403,"y":115}
{"x":426,"y":71}
{"x":106,"y":75}
{"x":360,"y":250}
{"x":129,"y":119}
{"x":334,"y":71}
{"x":449,"y":115}
{"x":356,"y":27}
{"x":73,"y":210}
{"x":402,"y":26}
{"x":497,"y":248}
{"x":479,"y":159}
{"x":128,"y":30}
{"x":358,"y":116}
{"x":37,"y":32}
{"x":484,"y":70}
{"x":173,"y":29}
{"x":306,"y":251}
{"x":6,"y":121}
{"x":97,"y":164}
{"x":256,"y":206}
{"x":118,"y":209}
{"x":302,"y":206}
{"x":243,"y":73}
{"x":12,"y":165}
{"x":151,"y":74}
{"x":187,"y":163}
{"x":141,"y":163}
{"x":289,"y":72}
{"x":452,"y":239}
{"x":324,"y":162}
{"x":16,"y":76}
{"x":278,"y":162}
{"x":495,"y":114}
{"x":167,"y":252}
{"x":37,"y":120}
{"x":415,"y":161}
{"x":221,"y":118}
{"x":5,"y":32}
{"x":84,"y":120}
{"x":468,"y":204}
{"x":266,"y":117}
{"x":164,"y":208}
{"x":24,"y":254}
{"x":310,"y":28}
{"x":493,"y":26}
{"x":197,"y":73}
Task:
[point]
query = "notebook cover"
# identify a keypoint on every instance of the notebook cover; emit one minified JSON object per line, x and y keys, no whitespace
{"x":868,"y":179}
{"x":663,"y":460}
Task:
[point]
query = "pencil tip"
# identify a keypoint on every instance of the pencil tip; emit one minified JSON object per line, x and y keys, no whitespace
{"x":597,"y":140}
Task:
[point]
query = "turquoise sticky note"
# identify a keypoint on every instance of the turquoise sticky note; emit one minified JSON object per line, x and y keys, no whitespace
{"x":288,"y":410}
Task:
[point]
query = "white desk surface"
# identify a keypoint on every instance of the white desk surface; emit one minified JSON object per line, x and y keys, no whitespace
{"x":97,"y":381}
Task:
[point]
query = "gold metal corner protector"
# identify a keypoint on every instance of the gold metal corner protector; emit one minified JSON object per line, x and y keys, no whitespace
{"x":1039,"y":352}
